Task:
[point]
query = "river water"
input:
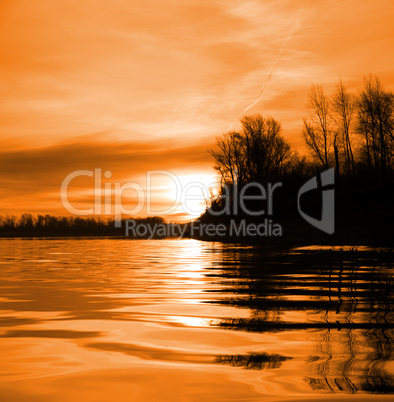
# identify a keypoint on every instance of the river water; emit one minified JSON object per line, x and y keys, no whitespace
{"x":185,"y":320}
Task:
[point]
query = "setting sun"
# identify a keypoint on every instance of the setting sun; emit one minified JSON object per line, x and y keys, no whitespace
{"x":192,"y":193}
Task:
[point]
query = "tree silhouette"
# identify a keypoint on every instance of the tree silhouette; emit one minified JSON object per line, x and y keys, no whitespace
{"x":257,"y":153}
{"x":375,"y":107}
{"x":318,"y":134}
{"x":343,"y":108}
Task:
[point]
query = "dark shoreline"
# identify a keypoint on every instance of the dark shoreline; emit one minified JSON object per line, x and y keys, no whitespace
{"x":281,"y":242}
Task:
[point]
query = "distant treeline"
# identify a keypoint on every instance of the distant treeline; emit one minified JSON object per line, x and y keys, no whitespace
{"x":47,"y":225}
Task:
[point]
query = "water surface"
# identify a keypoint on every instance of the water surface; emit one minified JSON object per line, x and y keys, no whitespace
{"x":128,"y":320}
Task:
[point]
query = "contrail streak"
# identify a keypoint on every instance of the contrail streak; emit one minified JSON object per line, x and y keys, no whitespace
{"x":293,"y":28}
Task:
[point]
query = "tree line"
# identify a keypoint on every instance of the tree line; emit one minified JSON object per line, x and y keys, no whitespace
{"x":48,"y":225}
{"x":352,"y":132}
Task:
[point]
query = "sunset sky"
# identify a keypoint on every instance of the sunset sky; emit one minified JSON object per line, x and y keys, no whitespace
{"x":131,"y":86}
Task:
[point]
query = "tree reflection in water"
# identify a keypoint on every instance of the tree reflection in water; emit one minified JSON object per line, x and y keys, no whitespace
{"x":345,"y":295}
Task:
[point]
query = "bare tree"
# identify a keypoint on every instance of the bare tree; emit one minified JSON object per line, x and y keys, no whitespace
{"x":257,"y":153}
{"x":228,"y":149}
{"x":317,"y":132}
{"x":266,"y":152}
{"x":343,"y":107}
{"x":375,"y":109}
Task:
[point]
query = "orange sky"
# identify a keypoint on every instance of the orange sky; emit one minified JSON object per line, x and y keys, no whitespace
{"x":135,"y":86}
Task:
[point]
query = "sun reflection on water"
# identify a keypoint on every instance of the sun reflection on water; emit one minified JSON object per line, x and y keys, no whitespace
{"x":129,"y":313}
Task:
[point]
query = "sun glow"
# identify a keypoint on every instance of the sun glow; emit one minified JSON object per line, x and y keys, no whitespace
{"x":191,"y":193}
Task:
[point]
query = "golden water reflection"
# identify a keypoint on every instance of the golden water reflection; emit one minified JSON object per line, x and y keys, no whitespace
{"x":185,"y":320}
